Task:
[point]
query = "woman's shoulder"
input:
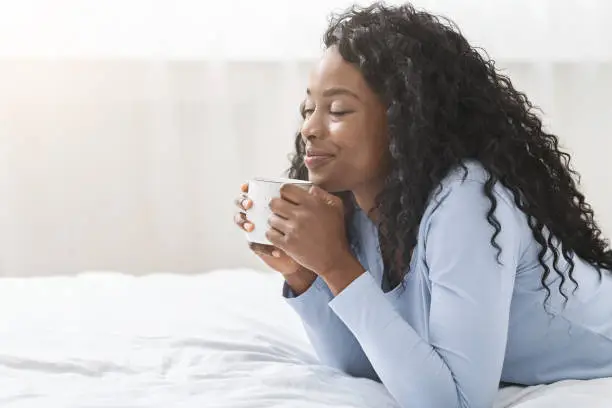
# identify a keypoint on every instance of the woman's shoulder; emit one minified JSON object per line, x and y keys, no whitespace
{"x":467,"y":171}
{"x":465,"y":186}
{"x":464,"y":196}
{"x":470,"y":178}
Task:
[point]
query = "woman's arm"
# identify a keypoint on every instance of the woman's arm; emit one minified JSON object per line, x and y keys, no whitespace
{"x":333,"y":342}
{"x":460,"y":364}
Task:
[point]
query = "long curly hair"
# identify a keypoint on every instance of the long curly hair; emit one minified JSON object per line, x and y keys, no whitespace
{"x":447,"y":103}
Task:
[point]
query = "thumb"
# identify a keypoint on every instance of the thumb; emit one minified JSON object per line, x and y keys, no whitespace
{"x":323,"y":195}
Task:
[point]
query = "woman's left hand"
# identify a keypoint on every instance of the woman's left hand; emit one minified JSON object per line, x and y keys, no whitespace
{"x":309,"y":226}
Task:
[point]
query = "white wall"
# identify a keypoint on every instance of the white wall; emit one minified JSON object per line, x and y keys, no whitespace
{"x":132,"y":164}
{"x":568,"y":30}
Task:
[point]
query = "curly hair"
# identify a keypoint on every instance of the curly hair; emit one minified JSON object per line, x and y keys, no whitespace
{"x":446,"y":103}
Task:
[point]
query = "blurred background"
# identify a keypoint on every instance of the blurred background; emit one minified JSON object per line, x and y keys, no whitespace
{"x":127,"y":126}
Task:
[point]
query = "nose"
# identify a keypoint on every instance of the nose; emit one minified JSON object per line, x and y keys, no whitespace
{"x":313,"y":126}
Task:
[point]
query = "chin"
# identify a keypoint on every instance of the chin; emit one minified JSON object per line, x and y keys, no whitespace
{"x":329,"y":184}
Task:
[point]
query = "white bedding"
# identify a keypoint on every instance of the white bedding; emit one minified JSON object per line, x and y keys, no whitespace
{"x":224,"y":339}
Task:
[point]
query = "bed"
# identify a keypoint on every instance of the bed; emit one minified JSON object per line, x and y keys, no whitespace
{"x":222,"y":339}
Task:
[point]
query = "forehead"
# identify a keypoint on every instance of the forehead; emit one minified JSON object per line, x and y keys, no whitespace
{"x":333,"y":71}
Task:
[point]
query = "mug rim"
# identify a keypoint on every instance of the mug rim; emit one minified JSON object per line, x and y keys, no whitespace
{"x":281,"y":180}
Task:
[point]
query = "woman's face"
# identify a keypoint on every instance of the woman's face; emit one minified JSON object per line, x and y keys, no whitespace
{"x":344,"y":128}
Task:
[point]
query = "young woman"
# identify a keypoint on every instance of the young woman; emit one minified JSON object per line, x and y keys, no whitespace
{"x":446,"y":246}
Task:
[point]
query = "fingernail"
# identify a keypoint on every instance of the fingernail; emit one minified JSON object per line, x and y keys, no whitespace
{"x":276,"y":253}
{"x":248,"y":226}
{"x":246,"y":203}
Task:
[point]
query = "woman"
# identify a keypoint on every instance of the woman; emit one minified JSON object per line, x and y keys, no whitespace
{"x":456,"y":250}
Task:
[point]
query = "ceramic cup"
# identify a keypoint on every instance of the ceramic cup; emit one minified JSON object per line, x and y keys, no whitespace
{"x":261,"y":191}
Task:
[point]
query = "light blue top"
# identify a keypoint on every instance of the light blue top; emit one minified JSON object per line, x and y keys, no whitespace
{"x":462,"y":322}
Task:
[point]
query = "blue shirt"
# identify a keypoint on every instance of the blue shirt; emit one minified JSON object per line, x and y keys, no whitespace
{"x":462,"y":322}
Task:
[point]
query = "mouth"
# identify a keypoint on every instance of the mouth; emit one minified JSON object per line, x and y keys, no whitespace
{"x":313,"y":161}
{"x":316,"y":157}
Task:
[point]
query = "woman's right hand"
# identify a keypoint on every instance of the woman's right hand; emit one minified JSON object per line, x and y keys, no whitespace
{"x":272,"y":256}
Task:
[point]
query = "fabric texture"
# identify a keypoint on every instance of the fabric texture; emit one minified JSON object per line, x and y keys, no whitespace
{"x":467,"y":317}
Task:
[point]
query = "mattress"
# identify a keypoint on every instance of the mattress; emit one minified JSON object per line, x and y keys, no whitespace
{"x":222,"y":339}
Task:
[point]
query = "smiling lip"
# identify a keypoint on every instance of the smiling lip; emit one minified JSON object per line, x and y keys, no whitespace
{"x":316,"y":157}
{"x":312,"y":161}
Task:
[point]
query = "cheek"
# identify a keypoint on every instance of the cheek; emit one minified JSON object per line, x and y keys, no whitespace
{"x":377,"y":156}
{"x":363,"y":144}
{"x":364,"y":153}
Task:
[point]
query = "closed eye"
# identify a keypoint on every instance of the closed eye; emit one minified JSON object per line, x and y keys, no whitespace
{"x":309,"y":111}
{"x":340,"y":113}
{"x":305,"y":111}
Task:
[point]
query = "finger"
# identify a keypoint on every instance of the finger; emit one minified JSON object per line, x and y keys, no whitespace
{"x":243,"y":202}
{"x":241,"y":220}
{"x":294,"y":193}
{"x":262,"y":249}
{"x":279,"y":224}
{"x":323,"y":195}
{"x":276,"y":238}
{"x":244,"y":187}
{"x":282,"y":208}
{"x":276,"y":253}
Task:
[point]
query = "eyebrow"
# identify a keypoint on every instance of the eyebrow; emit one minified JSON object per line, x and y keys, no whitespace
{"x":336,"y":91}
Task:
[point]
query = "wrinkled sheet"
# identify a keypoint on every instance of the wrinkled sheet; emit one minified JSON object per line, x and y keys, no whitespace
{"x":224,"y":339}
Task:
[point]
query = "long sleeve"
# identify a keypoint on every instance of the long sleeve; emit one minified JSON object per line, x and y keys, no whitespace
{"x":332,"y":341}
{"x":460,"y":364}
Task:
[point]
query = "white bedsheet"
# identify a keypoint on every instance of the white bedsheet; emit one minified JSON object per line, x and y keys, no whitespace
{"x":224,"y":339}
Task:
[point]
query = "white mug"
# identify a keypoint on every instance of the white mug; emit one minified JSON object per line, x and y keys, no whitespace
{"x":261,"y":191}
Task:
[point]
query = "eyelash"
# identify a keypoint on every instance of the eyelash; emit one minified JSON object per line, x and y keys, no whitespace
{"x":336,"y":113}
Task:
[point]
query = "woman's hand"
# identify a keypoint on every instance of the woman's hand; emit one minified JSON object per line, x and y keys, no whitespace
{"x":308,"y":225}
{"x":273,"y":257}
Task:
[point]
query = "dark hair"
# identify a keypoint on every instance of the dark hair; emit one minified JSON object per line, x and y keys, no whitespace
{"x":447,"y":103}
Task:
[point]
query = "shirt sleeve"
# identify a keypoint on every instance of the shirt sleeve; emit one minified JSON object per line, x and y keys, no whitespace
{"x":332,"y":341}
{"x":460,"y":364}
